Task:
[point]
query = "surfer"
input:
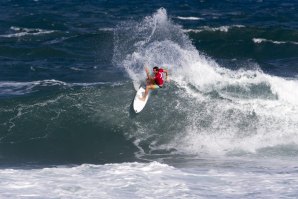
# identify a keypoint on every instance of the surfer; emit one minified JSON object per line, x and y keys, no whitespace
{"x":156,"y":81}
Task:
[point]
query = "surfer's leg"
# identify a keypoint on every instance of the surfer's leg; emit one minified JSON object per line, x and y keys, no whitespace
{"x":150,"y":81}
{"x":143,"y":98}
{"x":148,"y":87}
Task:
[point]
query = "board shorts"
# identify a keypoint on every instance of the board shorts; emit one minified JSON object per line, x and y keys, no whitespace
{"x":155,"y":86}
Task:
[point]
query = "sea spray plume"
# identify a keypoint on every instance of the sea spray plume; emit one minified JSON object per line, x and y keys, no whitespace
{"x":153,"y":41}
{"x":156,"y":40}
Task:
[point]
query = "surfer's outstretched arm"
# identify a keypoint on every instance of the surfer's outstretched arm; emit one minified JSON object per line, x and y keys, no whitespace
{"x":150,"y":79}
{"x":147,"y":72}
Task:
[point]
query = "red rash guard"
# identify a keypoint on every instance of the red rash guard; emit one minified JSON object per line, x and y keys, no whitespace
{"x":158,"y":77}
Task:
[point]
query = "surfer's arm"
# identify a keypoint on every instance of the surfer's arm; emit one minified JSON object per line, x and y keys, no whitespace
{"x":148,"y":74}
{"x":167,"y":74}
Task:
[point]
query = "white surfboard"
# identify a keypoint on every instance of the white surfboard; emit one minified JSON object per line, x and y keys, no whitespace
{"x":138,"y":104}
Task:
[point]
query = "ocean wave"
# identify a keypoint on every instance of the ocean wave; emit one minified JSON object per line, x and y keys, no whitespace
{"x":106,"y":29}
{"x":21,"y":32}
{"x":214,"y":29}
{"x":8,"y":88}
{"x":222,"y":110}
{"x":262,"y":40}
{"x":206,"y":109}
{"x":77,"y":69}
{"x":19,"y":88}
{"x":190,"y":18}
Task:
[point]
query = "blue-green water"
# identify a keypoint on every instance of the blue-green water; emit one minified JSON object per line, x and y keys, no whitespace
{"x":69,"y":72}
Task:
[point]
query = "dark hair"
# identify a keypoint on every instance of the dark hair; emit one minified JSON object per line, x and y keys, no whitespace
{"x":155,"y":68}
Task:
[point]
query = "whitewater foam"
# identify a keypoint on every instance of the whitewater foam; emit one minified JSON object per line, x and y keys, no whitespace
{"x":152,"y":180}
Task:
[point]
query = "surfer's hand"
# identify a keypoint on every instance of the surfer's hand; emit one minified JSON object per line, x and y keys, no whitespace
{"x":147,"y":70}
{"x":168,"y":79}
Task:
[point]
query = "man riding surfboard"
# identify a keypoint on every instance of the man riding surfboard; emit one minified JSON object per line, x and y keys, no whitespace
{"x":156,"y":81}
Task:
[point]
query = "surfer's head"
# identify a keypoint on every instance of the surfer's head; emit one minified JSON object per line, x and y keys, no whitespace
{"x":155,"y":69}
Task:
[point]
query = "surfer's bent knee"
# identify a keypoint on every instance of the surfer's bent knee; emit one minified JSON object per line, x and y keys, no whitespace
{"x":155,"y":86}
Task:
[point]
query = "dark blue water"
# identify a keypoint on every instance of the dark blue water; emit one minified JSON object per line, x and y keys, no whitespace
{"x":67,"y":78}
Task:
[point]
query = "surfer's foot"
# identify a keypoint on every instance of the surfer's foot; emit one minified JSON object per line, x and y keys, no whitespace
{"x":142,"y":98}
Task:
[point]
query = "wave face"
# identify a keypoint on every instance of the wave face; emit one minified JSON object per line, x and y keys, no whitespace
{"x":206,"y":109}
{"x":66,"y":123}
